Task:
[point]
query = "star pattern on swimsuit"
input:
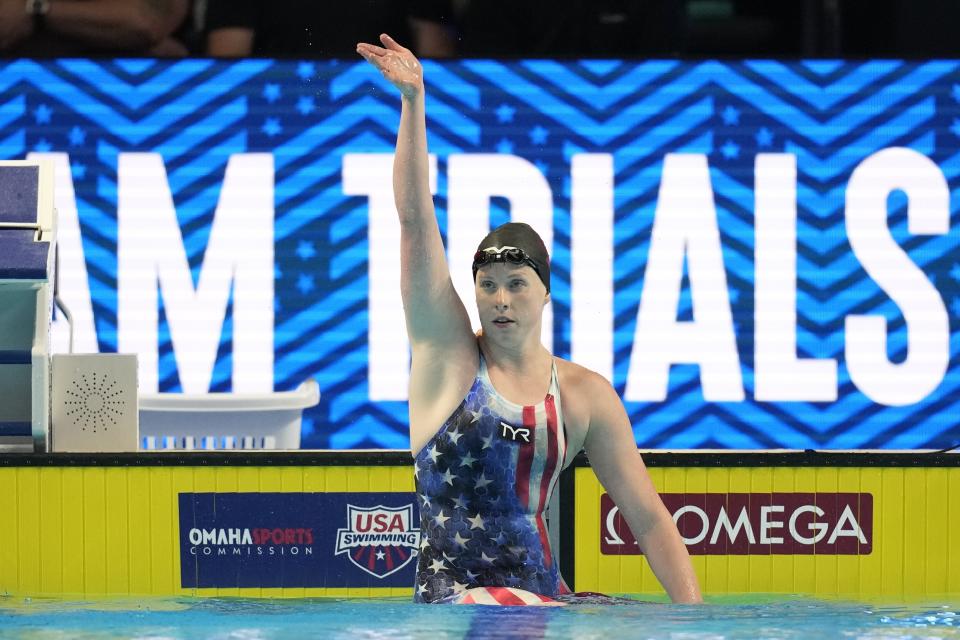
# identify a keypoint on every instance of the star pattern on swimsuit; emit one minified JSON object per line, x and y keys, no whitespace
{"x":448,"y":477}
{"x":476,"y":530}
{"x":482,"y":481}
{"x":460,"y":540}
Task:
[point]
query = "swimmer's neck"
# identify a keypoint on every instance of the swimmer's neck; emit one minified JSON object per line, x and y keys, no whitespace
{"x":526,"y":358}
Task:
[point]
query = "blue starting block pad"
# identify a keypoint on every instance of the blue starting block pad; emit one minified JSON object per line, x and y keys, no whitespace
{"x":21,"y":256}
{"x":19,"y":193}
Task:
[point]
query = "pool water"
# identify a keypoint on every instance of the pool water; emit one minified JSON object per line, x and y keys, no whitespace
{"x":236,"y":618}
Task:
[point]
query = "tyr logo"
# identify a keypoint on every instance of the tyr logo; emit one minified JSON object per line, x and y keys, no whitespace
{"x":514,"y":433}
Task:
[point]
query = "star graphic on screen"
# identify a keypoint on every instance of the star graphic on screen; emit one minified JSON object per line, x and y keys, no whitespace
{"x":305,"y":250}
{"x":77,"y":136}
{"x":78,"y":169}
{"x":484,"y":558}
{"x":730,"y":150}
{"x":460,"y":502}
{"x":487,"y":442}
{"x":454,"y":436}
{"x":476,"y":522}
{"x":305,"y":105}
{"x":731,"y":115}
{"x":441,"y":519}
{"x":459,"y":588}
{"x":504,"y":146}
{"x":538,"y":135}
{"x":421,"y":589}
{"x":305,"y":283}
{"x":271,"y":92}
{"x":271,"y":127}
{"x":42,"y":114}
{"x":764,"y":137}
{"x":476,"y":416}
{"x":505,"y":113}
{"x":467,"y":460}
{"x":306,"y":70}
{"x":432,"y":453}
{"x":426,"y":502}
{"x":955,"y":127}
{"x":436,"y":565}
{"x":471,"y":576}
{"x":42,"y":146}
{"x":381,"y":555}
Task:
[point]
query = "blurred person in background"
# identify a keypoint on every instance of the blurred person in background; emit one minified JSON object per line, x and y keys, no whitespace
{"x":58,"y":28}
{"x":575,"y":28}
{"x":308,"y":28}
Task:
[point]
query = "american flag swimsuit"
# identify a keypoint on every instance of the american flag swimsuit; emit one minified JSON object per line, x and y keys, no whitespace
{"x":483,"y":483}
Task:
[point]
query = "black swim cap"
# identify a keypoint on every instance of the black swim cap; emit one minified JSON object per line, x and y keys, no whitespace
{"x":523,"y":237}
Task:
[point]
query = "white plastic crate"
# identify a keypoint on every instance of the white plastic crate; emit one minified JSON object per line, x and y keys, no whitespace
{"x":225,"y":420}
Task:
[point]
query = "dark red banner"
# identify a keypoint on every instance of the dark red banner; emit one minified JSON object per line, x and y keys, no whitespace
{"x":755,"y":524}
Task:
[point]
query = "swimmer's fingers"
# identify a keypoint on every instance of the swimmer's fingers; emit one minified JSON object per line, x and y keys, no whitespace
{"x":392,"y":44}
{"x":396,"y":63}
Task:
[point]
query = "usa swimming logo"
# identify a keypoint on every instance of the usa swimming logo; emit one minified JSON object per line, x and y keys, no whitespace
{"x":379,"y":540}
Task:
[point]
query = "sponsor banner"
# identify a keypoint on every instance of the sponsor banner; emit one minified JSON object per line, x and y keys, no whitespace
{"x":755,"y":524}
{"x":298,"y":539}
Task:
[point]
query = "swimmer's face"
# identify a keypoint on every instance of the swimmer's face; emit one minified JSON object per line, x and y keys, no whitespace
{"x":510,"y":300}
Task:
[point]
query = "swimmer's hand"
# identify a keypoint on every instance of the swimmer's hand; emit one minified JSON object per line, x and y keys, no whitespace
{"x":396,"y":63}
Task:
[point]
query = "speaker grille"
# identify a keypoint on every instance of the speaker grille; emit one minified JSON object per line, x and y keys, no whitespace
{"x":94,"y":402}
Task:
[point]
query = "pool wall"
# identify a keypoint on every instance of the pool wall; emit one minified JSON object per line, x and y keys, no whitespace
{"x":296,"y":524}
{"x":896,"y":517}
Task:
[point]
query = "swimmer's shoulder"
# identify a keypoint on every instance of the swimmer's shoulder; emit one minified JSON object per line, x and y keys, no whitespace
{"x":578,"y":378}
{"x":583,"y":393}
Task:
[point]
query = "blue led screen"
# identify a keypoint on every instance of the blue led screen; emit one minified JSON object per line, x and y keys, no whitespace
{"x":758,"y":254}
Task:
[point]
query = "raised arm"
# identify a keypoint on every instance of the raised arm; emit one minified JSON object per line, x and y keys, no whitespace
{"x":614,"y":458}
{"x":434,"y":312}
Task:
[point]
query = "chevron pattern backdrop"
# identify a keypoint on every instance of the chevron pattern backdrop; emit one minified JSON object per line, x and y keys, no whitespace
{"x":831,"y":115}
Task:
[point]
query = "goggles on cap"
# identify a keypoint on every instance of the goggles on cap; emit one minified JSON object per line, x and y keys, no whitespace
{"x":511,"y":255}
